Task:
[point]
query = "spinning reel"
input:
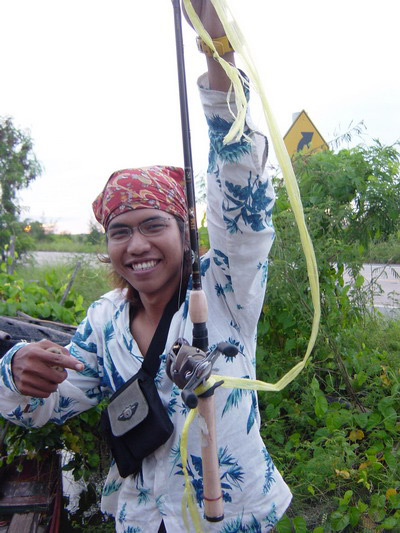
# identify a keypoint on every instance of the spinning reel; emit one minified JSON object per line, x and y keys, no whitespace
{"x":188,"y":367}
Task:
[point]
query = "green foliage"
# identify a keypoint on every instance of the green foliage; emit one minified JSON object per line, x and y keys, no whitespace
{"x":336,"y":428}
{"x":204,"y":242}
{"x":355,"y":192}
{"x":334,"y":431}
{"x":35,"y":229}
{"x":79,"y":435}
{"x":18,"y":168}
{"x":386,"y":252}
{"x":91,"y":281}
{"x":79,"y":243}
{"x":95,"y":235}
{"x":39,"y":301}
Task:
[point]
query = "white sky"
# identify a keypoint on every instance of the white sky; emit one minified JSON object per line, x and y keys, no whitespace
{"x":95,"y":83}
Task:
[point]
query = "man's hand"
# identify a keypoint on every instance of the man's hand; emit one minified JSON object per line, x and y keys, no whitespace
{"x":218,"y":80}
{"x":208,"y":16}
{"x":38,"y":368}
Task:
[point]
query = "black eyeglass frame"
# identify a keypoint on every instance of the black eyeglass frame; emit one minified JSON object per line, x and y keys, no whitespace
{"x":141,"y":227}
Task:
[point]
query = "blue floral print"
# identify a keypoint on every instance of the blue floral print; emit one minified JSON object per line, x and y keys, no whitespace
{"x":249,"y":203}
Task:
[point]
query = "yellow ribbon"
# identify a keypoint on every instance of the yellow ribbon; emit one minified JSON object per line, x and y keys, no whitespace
{"x":188,"y":498}
{"x":240,"y":46}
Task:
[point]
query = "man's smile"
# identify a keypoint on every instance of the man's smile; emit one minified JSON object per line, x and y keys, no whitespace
{"x":144,"y":265}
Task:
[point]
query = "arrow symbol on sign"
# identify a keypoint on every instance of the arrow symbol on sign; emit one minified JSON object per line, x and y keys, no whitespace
{"x":305,"y":140}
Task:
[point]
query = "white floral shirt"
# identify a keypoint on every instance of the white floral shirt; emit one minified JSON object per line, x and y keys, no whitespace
{"x":234,"y":273}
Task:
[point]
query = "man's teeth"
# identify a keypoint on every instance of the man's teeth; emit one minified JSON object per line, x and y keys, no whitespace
{"x":144,"y":266}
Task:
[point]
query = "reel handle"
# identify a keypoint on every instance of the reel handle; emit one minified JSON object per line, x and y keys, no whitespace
{"x":190,"y":398}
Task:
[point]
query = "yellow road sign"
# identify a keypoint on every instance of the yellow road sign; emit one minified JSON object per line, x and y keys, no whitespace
{"x":303,"y":136}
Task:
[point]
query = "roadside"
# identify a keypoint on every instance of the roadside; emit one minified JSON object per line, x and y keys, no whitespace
{"x":49,"y":258}
{"x":383,"y":283}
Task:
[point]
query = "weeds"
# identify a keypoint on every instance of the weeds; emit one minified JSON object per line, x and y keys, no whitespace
{"x":92,"y":279}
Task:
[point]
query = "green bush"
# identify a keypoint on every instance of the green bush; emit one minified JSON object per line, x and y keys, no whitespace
{"x":79,"y":435}
{"x":91,"y":281}
{"x":40,"y":301}
{"x":79,"y":243}
{"x":334,"y":431}
{"x":386,"y":252}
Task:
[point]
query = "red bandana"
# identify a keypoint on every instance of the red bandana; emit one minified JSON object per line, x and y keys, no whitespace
{"x":155,"y":187}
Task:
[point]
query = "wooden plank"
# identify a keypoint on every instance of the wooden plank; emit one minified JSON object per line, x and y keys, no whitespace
{"x":31,"y":489}
{"x":24,"y":523}
{"x":17,"y":329}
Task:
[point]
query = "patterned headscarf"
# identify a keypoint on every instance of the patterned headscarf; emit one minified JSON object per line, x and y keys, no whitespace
{"x":157,"y":187}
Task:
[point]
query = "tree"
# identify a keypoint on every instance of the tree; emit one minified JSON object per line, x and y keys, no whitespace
{"x":378,"y":203}
{"x":95,"y":235}
{"x":35,"y":229}
{"x":351,"y":200}
{"x":352,"y":196}
{"x":18,"y":168}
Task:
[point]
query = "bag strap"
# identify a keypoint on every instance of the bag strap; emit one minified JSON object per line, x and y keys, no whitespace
{"x":151,"y":362}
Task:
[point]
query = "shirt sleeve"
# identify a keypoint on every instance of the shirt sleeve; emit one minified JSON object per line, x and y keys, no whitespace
{"x":240,"y":199}
{"x":79,"y":392}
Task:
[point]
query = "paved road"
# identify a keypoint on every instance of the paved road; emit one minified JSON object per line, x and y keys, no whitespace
{"x":384,"y":281}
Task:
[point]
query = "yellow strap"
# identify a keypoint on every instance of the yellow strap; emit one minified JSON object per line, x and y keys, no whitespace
{"x":188,"y":498}
{"x":239,"y":44}
{"x":236,"y":131}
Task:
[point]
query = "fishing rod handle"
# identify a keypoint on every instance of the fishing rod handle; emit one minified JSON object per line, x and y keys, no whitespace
{"x":198,"y":307}
{"x":198,"y":312}
{"x":212,"y":491}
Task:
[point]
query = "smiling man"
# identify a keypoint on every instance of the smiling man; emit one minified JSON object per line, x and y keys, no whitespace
{"x":144,"y":214}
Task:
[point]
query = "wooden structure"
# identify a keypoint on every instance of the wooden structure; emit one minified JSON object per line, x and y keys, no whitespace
{"x":31,"y":489}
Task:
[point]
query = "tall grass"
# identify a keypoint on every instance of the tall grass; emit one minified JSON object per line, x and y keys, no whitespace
{"x":91,"y":281}
{"x":385,"y":252}
{"x":68,"y":244}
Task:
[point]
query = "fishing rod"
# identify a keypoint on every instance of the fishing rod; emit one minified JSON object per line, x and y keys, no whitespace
{"x":190,"y":366}
{"x":200,"y":334}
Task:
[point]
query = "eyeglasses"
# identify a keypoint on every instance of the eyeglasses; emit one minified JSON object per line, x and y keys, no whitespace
{"x":120,"y":233}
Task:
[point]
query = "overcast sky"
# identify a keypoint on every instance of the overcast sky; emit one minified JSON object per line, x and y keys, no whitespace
{"x":94,"y":82}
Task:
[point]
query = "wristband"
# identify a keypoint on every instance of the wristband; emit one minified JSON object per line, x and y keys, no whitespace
{"x":222,"y":45}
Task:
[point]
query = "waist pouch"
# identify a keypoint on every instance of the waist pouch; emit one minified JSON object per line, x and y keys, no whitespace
{"x":135,"y":423}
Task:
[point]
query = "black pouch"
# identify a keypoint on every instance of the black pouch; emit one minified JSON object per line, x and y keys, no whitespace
{"x":135,"y":423}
